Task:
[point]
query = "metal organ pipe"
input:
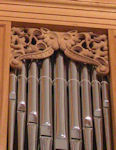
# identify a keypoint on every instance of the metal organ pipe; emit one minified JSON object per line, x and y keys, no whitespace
{"x":21,"y":106}
{"x":97,"y":110}
{"x":74,"y":106}
{"x":60,"y":104}
{"x":106,"y":113}
{"x":86,"y":108}
{"x":12,"y":109}
{"x":46,"y":125}
{"x":32,"y":118}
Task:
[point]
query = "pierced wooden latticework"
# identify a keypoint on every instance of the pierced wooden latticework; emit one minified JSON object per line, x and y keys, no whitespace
{"x":85,"y":47}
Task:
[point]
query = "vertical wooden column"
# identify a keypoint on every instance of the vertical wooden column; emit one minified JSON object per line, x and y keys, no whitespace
{"x":112,"y":57}
{"x":5,"y":28}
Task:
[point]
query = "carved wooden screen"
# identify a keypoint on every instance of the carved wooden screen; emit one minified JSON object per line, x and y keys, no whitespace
{"x":59,"y":91}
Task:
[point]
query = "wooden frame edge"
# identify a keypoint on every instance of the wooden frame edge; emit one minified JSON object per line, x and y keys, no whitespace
{"x":4,"y":83}
{"x":104,"y":4}
{"x":112,"y":57}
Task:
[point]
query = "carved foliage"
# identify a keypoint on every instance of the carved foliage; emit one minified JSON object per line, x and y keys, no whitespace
{"x":85,"y":47}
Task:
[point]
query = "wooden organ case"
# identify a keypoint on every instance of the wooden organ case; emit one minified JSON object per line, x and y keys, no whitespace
{"x":57,"y":75}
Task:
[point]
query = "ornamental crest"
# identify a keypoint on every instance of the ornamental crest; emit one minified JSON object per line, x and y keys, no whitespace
{"x":84,"y":47}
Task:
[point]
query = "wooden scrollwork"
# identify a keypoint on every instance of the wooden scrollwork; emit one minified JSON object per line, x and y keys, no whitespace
{"x":85,"y":47}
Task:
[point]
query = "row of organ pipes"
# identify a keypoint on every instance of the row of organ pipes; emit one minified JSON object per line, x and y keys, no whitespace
{"x":58,"y":105}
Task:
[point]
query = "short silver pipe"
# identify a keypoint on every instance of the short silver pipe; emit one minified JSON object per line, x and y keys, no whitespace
{"x":105,"y":94}
{"x":74,"y":101}
{"x":12,"y":86}
{"x":106,"y":112}
{"x":32,"y":117}
{"x":46,"y":143}
{"x":96,"y":92}
{"x":32,"y":136}
{"x":60,"y":104}
{"x":76,"y":144}
{"x":88,"y":138}
{"x":21,"y":122}
{"x":97,"y":110}
{"x":98,"y":123}
{"x":107,"y":123}
{"x":12,"y":110}
{"x":46,"y":127}
{"x":86,"y":97}
{"x":11,"y":123}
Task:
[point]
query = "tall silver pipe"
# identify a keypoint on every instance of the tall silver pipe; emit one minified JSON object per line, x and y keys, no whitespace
{"x":86,"y":108}
{"x":97,"y":110}
{"x":21,"y":107}
{"x":74,"y":101}
{"x":106,"y":112}
{"x":22,"y":80}
{"x":32,"y":118}
{"x":60,"y":104}
{"x":46,"y":99}
{"x":12,"y":110}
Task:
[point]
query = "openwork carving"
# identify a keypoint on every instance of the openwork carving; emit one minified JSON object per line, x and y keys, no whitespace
{"x":85,"y":47}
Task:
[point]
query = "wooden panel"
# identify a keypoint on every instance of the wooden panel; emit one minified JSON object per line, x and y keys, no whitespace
{"x":4,"y":80}
{"x":104,"y":1}
{"x":111,"y":2}
{"x":67,"y":13}
{"x":112,"y":54}
{"x":71,"y":13}
{"x":101,"y":1}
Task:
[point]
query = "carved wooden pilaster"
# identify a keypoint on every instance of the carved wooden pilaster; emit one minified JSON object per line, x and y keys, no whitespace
{"x":84,"y":47}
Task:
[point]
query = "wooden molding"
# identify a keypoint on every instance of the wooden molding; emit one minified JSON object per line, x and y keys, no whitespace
{"x":5,"y":28}
{"x":70,"y":13}
{"x":101,"y":3}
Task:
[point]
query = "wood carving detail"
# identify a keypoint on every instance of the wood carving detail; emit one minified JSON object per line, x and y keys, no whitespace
{"x":85,"y":47}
